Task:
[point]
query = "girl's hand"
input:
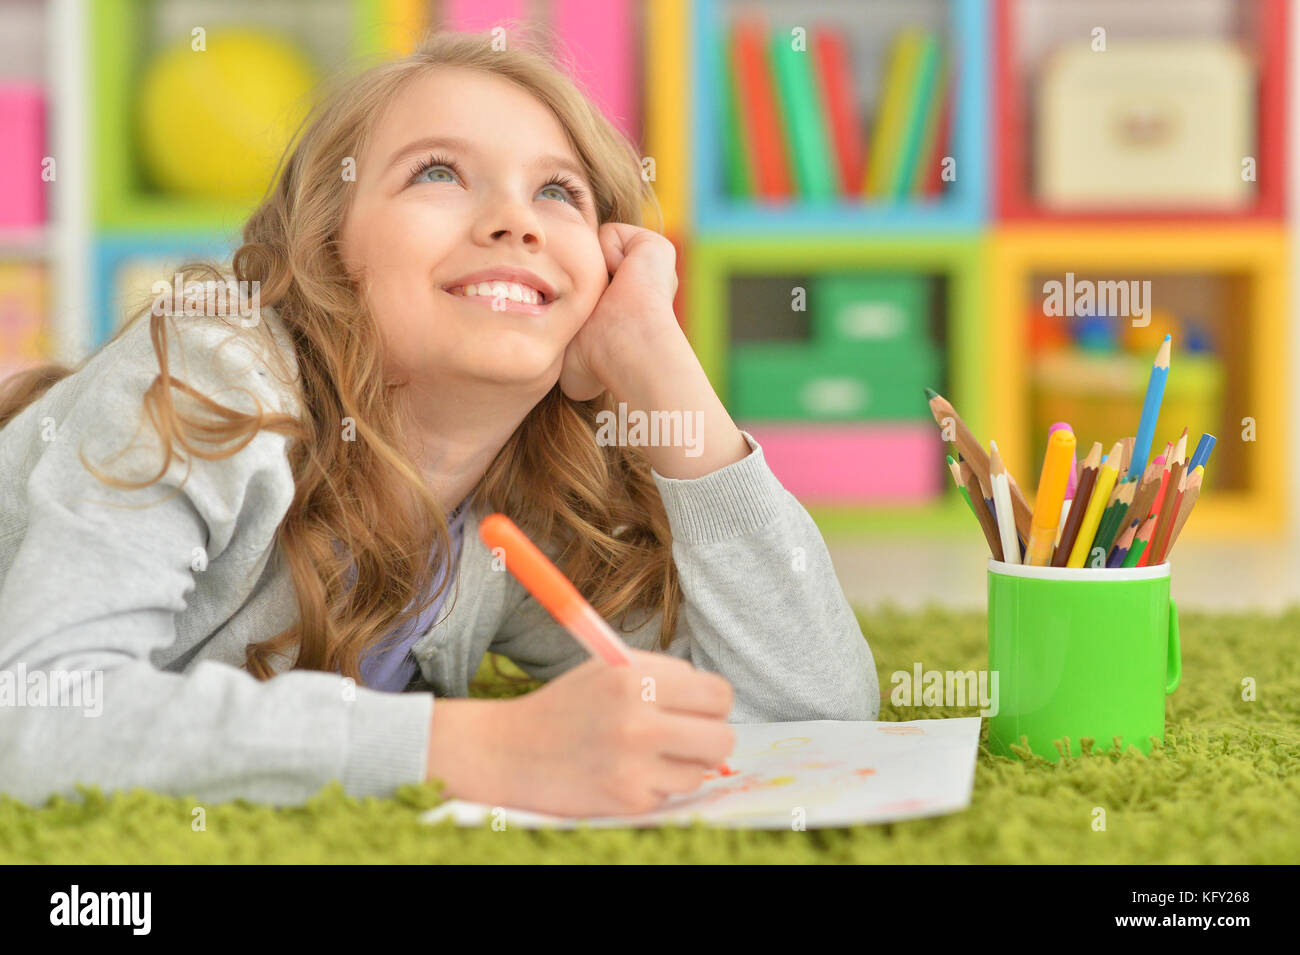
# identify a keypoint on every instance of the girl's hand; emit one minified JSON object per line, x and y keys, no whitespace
{"x":634,"y":312}
{"x":597,"y":740}
{"x":632,"y":347}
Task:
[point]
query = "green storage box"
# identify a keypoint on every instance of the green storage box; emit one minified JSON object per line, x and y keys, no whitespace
{"x":871,"y":309}
{"x":785,"y":382}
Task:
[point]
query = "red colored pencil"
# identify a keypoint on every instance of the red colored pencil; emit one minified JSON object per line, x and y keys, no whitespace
{"x":1168,"y":538}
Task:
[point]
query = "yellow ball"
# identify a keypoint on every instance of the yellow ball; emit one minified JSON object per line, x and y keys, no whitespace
{"x":213,"y":123}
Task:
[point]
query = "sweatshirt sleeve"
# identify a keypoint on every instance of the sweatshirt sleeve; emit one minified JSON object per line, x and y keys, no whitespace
{"x":98,"y":579}
{"x":761,"y":603}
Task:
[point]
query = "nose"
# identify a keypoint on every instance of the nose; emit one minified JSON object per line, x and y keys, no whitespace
{"x":512,"y":222}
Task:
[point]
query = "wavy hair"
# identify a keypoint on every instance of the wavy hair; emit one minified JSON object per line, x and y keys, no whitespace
{"x":361,"y":507}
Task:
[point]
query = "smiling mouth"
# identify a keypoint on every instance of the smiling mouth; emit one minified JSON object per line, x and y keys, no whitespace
{"x":499,"y":303}
{"x":498,"y":289}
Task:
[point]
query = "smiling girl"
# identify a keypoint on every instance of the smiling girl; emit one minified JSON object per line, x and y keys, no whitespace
{"x":281,"y":581}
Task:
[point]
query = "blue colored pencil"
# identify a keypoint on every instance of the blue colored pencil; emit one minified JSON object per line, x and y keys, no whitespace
{"x":1146,"y":431}
{"x":1203,"y":449}
{"x":1123,"y":546}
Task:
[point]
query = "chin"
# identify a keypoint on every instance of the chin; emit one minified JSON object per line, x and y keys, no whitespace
{"x":522,"y":367}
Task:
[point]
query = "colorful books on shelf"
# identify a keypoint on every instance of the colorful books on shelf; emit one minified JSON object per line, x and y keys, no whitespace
{"x":793,"y":128}
{"x":24,"y":305}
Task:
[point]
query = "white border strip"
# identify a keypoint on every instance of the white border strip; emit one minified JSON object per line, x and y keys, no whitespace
{"x":68,"y":85}
{"x":1094,"y":574}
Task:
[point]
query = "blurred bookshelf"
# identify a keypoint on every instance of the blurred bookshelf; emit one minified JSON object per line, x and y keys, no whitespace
{"x":950,"y":113}
{"x":1222,"y":293}
{"x":830,"y":256}
{"x":1184,"y":105}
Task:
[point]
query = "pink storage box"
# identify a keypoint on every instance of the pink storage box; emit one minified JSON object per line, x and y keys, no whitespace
{"x":477,"y":16}
{"x":854,"y":464}
{"x":22,"y":148}
{"x":599,"y":45}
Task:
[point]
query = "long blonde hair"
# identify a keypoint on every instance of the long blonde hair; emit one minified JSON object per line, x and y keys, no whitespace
{"x":363,"y":503}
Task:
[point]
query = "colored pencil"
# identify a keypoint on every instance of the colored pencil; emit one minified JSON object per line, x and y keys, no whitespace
{"x":1002,"y":499}
{"x":1151,"y":408}
{"x":1139,"y":543}
{"x":1078,"y":508}
{"x":1047,"y":504}
{"x":1092,"y":516}
{"x":1185,"y":508}
{"x":1203,"y":449}
{"x":1111,"y":520}
{"x":1159,"y":465}
{"x":1122,"y":546}
{"x":1180,"y":448}
{"x":1128,"y":455}
{"x":982,"y":513}
{"x":961,"y":486}
{"x":1145,"y":494}
{"x":986,"y":490}
{"x":1164,"y":515}
{"x":944,"y":415}
{"x":1170,"y":458}
{"x":1169,"y":513}
{"x":1161,"y":489}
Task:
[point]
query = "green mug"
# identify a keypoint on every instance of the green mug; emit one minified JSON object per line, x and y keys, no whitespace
{"x":1085,"y":652}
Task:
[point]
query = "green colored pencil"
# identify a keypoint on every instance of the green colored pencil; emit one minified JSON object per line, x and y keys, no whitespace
{"x":1140,"y":543}
{"x":955,"y":468}
{"x":1105,"y":532}
{"x":1113,"y":520}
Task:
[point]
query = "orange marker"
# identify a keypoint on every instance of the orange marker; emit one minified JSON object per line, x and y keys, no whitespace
{"x":557,"y":594}
{"x":553,"y":590}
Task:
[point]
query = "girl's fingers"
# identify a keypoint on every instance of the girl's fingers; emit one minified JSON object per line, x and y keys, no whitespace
{"x":675,"y":776}
{"x":680,"y":687}
{"x":613,"y":243}
{"x":691,"y":739}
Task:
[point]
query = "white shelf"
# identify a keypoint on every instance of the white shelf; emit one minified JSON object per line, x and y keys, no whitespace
{"x":68,"y":55}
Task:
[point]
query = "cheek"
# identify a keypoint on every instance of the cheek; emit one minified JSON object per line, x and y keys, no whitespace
{"x":590,"y":274}
{"x":391,"y":255}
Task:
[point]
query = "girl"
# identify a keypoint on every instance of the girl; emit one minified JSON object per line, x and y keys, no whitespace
{"x":453,"y":286}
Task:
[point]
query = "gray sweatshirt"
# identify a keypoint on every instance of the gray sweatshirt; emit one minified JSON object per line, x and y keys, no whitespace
{"x":143,"y":612}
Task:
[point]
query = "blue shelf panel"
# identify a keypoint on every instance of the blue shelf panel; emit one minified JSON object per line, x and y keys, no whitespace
{"x":964,"y":204}
{"x":114,"y":250}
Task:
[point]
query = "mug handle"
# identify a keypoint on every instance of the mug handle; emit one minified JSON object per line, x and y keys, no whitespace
{"x":1174,"y":662}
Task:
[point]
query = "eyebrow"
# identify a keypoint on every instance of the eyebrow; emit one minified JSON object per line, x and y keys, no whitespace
{"x":430,"y":143}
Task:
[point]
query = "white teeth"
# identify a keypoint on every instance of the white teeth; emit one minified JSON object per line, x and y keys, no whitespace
{"x":496,"y":289}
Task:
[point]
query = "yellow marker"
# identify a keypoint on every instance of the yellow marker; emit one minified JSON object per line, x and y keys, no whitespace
{"x":1051,"y":495}
{"x":1096,"y":504}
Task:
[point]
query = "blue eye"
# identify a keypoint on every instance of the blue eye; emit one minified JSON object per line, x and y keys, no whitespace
{"x":565,"y":194}
{"x":572,"y":192}
{"x":577,"y":195}
{"x":432,"y":164}
{"x":433,"y":169}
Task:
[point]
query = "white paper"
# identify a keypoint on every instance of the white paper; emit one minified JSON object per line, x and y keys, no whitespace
{"x":821,"y":773}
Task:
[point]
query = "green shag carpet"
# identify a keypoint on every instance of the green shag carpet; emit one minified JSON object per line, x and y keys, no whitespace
{"x":1225,"y":787}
